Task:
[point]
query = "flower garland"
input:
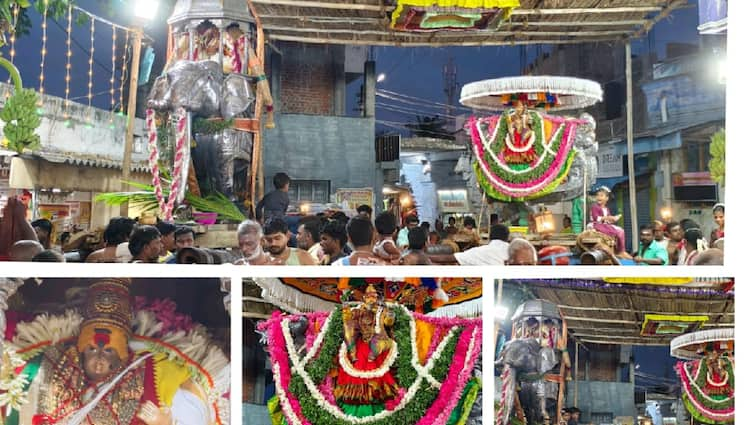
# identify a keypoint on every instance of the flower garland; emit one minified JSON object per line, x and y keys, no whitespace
{"x":12,"y":383}
{"x":703,"y":407}
{"x":504,"y":182}
{"x":343,"y":360}
{"x":436,"y":388}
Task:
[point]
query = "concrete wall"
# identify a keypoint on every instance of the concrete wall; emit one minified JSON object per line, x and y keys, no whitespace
{"x":311,"y":147}
{"x":92,"y":134}
{"x":601,"y":397}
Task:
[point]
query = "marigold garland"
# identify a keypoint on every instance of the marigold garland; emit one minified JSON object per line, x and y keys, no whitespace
{"x":704,"y":408}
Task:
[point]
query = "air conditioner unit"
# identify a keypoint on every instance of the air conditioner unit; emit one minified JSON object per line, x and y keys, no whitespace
{"x":694,"y":187}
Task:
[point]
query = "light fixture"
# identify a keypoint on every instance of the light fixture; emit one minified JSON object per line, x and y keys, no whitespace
{"x":145,"y":9}
{"x":501,"y":313}
{"x":544,"y":223}
{"x":381,"y":77}
{"x":666,"y":213}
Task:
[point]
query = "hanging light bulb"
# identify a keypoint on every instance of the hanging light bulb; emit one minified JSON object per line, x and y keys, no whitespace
{"x":69,"y":54}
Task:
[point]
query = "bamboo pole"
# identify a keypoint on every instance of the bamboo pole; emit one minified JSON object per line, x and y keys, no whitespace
{"x":255,"y":168}
{"x":576,"y":373}
{"x":630,"y":144}
{"x":131,"y":114}
{"x":462,"y":41}
{"x":440,"y":36}
{"x":348,"y":21}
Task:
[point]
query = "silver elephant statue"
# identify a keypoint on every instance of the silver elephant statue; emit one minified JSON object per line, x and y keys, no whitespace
{"x":527,"y":362}
{"x":201,"y":89}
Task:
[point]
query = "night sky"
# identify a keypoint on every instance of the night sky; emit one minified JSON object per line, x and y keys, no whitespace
{"x":412,"y":71}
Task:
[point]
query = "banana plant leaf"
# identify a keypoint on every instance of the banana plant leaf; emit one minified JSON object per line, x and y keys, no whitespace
{"x":144,"y":200}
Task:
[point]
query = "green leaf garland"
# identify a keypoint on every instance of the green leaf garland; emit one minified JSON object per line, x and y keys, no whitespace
{"x":405,"y":374}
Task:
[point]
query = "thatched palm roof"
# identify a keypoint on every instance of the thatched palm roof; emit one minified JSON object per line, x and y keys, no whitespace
{"x":608,"y":313}
{"x":367,"y":22}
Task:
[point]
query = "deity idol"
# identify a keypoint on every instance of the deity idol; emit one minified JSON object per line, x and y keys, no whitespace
{"x":96,"y":378}
{"x":520,"y":139}
{"x":364,"y":376}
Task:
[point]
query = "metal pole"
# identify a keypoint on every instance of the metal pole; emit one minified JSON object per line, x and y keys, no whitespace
{"x":133,"y":87}
{"x":630,"y":145}
{"x":576,"y":373}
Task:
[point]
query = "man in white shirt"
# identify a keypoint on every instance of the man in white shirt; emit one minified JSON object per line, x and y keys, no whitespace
{"x":495,"y":253}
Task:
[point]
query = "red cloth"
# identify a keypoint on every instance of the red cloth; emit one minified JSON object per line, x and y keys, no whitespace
{"x":13,"y":318}
{"x":363,"y":363}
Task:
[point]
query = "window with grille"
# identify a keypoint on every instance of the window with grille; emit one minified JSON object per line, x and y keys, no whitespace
{"x":309,"y":190}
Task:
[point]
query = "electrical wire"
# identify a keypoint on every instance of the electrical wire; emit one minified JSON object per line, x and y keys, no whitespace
{"x":414,"y":112}
{"x":419,"y":99}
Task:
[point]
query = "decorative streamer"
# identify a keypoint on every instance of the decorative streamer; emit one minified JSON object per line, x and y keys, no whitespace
{"x":154,"y":159}
{"x":592,"y":284}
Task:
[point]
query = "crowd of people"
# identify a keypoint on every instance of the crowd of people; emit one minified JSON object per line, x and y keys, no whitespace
{"x":333,"y":238}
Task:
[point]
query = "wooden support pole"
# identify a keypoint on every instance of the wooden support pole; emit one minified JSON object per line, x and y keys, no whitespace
{"x":630,"y":145}
{"x":128,"y":142}
{"x":440,"y":36}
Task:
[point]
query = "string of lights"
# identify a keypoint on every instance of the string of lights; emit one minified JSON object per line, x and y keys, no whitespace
{"x":69,"y":54}
{"x":44,"y":51}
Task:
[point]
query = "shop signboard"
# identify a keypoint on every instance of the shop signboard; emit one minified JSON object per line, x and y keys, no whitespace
{"x":610,"y":162}
{"x":453,"y":201}
{"x":352,"y":198}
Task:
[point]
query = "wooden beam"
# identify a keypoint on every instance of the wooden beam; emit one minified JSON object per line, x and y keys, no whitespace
{"x":588,"y":335}
{"x":379,"y":20}
{"x":325,"y":5}
{"x":463,"y":42}
{"x":448,"y":34}
{"x":593,"y":319}
{"x":626,"y":310}
{"x":589,"y":11}
{"x":639,"y":341}
{"x":515,"y":12}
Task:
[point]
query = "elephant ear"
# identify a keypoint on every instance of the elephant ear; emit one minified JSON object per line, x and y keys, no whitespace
{"x":237,"y":96}
{"x":548,"y":359}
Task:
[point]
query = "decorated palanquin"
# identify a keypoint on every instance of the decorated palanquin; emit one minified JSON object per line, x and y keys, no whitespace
{"x":522,"y":153}
{"x":111,"y":365}
{"x":372,"y":362}
{"x":707,"y":378}
{"x":518,"y":161}
{"x":450,"y":15}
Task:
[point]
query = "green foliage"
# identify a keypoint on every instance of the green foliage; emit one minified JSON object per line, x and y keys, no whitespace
{"x":717,"y":163}
{"x":209,"y":126}
{"x":323,"y":363}
{"x":144,"y":200}
{"x":21,"y":121}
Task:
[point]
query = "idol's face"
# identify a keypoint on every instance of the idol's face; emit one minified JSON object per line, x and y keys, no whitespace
{"x":100,"y":362}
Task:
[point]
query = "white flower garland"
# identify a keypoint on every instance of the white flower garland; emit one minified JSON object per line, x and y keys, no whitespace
{"x":12,"y":393}
{"x":298,"y":367}
{"x":694,"y":384}
{"x":283,"y":398}
{"x":318,"y":341}
{"x":343,"y":360}
{"x":486,"y":142}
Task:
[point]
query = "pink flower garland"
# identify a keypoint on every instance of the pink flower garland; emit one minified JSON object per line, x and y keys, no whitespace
{"x":154,"y":159}
{"x":716,"y":414}
{"x":279,"y":358}
{"x":317,"y":318}
{"x":449,"y":394}
{"x":534,"y":186}
{"x":165,"y":313}
{"x":458,"y":375}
